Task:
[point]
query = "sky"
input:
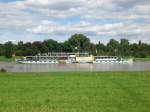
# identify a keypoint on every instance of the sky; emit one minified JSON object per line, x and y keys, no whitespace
{"x":99,"y":20}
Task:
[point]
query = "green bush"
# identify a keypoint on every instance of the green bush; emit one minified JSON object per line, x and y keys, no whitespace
{"x":3,"y":70}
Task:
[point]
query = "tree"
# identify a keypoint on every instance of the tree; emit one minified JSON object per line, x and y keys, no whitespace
{"x":28,"y":49}
{"x":9,"y":49}
{"x":124,"y":47}
{"x":112,"y":47}
{"x":50,"y":45}
{"x":37,"y":47}
{"x":143,"y":50}
{"x":79,"y":41}
{"x":20,"y":49}
{"x":100,"y":49}
{"x":92,"y":49}
{"x":140,"y":42}
{"x":66,"y":47}
{"x":1,"y":49}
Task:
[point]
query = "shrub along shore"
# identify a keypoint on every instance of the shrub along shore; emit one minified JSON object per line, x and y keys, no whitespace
{"x":75,"y":92}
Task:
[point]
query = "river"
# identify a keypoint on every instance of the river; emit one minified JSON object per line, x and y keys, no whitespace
{"x":14,"y":67}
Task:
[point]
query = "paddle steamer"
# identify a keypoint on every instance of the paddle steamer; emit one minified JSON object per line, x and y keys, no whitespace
{"x":72,"y":57}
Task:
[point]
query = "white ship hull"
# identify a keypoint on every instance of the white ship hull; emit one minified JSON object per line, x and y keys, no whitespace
{"x":38,"y":62}
{"x":130,"y":61}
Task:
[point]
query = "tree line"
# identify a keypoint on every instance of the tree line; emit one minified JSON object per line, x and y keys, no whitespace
{"x":76,"y":43}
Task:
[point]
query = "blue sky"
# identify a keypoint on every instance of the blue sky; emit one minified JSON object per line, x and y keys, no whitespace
{"x":100,"y":20}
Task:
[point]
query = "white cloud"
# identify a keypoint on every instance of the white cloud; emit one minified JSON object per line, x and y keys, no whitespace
{"x":38,"y":17}
{"x":107,"y":30}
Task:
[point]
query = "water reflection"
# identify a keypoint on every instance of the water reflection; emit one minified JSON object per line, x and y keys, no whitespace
{"x":13,"y":67}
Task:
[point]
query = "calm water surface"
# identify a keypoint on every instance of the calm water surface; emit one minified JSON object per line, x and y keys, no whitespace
{"x":14,"y":67}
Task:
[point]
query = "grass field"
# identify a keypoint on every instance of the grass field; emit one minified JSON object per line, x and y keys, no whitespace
{"x":75,"y":92}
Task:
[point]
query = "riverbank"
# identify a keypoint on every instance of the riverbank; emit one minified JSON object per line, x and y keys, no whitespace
{"x":142,"y":59}
{"x":75,"y":92}
{"x":5,"y":59}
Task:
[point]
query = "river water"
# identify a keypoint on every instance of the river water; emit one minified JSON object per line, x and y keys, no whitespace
{"x":14,"y":67}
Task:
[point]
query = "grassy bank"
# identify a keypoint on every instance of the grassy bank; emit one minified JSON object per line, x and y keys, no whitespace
{"x":4,"y":59}
{"x":142,"y":59}
{"x":75,"y":92}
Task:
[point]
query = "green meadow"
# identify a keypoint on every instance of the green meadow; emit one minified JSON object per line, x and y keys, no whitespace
{"x":75,"y":92}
